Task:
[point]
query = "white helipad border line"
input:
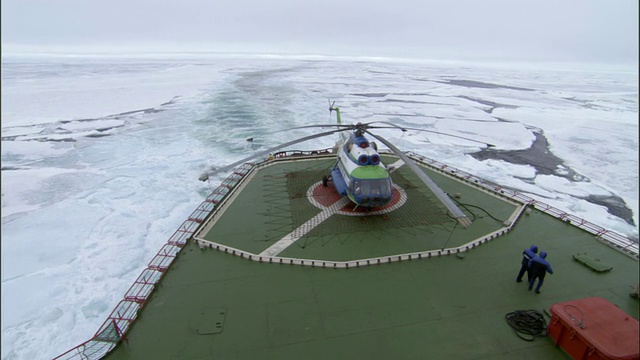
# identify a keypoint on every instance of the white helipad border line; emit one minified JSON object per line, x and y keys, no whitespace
{"x":303,"y":229}
{"x":202,"y":243}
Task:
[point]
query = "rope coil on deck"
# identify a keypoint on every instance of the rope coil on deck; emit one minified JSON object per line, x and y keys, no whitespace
{"x":528,"y":324}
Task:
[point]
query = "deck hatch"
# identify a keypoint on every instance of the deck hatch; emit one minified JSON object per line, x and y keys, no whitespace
{"x":591,"y":263}
{"x":210,"y":321}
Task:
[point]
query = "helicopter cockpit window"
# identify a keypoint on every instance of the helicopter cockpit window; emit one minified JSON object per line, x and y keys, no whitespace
{"x":357,"y":187}
{"x":371,"y":187}
{"x":380,"y":187}
{"x":366,"y":186}
{"x":375,"y":187}
{"x":385,"y":186}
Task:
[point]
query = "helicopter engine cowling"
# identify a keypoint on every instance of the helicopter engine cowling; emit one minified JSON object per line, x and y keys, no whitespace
{"x":365,"y":156}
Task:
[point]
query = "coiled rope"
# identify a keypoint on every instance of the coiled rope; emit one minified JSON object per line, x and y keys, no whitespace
{"x":528,"y":324}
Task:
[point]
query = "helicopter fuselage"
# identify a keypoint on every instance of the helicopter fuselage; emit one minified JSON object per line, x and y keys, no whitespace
{"x":360,"y":174}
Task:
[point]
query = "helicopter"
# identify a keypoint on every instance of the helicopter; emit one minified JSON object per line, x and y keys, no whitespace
{"x":359,"y":172}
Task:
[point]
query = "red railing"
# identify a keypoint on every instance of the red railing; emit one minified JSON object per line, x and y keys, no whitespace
{"x":611,"y":238}
{"x":113,"y":330}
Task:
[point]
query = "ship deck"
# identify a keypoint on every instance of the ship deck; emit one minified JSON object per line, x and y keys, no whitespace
{"x":283,"y":268}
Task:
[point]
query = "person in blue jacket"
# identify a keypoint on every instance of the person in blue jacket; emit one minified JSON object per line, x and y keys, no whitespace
{"x":527,"y":255}
{"x":539,"y":268}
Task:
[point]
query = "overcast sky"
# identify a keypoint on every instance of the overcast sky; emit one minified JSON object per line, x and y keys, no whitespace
{"x":552,"y":30}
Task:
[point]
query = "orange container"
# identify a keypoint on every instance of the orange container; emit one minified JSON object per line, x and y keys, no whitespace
{"x":593,"y":328}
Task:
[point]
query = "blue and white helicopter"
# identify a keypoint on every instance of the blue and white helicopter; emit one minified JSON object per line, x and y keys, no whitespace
{"x":359,"y":172}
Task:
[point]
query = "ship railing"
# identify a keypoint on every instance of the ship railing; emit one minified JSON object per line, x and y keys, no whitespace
{"x":615,"y":240}
{"x":203,"y":244}
{"x":508,"y":225}
{"x":115,"y":327}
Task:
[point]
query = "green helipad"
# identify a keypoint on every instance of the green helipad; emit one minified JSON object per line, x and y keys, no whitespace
{"x":283,"y":269}
{"x":301,"y":219}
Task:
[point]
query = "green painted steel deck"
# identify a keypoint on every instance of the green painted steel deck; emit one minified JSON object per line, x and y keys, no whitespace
{"x":279,"y":196}
{"x":275,"y":274}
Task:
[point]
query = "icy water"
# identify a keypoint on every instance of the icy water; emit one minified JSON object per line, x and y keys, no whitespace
{"x":101,"y":154}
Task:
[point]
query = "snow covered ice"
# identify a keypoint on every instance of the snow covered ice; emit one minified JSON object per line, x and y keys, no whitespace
{"x":101,"y":154}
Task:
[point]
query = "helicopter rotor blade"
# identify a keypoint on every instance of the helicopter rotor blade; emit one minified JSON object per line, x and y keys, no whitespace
{"x":343,"y":126}
{"x":456,"y":136}
{"x":442,"y":196}
{"x":385,"y":127}
{"x":425,"y":130}
{"x":213,"y":171}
